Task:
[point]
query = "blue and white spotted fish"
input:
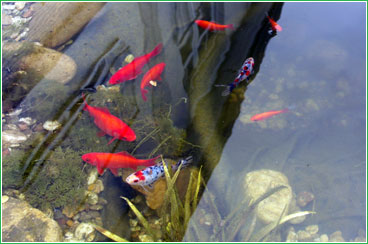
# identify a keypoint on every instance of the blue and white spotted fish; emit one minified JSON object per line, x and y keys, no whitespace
{"x":244,"y":73}
{"x":148,"y":176}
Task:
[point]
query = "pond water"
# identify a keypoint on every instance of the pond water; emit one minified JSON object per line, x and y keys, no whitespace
{"x":314,"y":71}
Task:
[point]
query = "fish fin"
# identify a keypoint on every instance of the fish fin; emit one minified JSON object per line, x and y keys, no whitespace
{"x":114,"y":171}
{"x":125,"y":153}
{"x":137,"y":74}
{"x":85,"y":103}
{"x":228,"y":90}
{"x":144,"y":188}
{"x":101,"y":133}
{"x":156,"y":50}
{"x":100,"y":170}
{"x":144,"y":92}
{"x":113,"y":139}
{"x":103,"y":109}
{"x":230,"y":26}
{"x":159,"y":78}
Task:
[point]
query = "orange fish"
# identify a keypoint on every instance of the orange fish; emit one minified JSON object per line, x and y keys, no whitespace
{"x":212,"y":26}
{"x":154,"y":74}
{"x":134,"y":68}
{"x":115,"y":161}
{"x":274,"y":25}
{"x":268,"y":114}
{"x":109,"y":124}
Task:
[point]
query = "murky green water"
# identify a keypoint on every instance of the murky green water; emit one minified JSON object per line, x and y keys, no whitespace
{"x":315,"y":66}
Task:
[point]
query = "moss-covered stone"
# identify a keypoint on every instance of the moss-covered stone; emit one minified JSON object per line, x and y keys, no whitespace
{"x":60,"y":182}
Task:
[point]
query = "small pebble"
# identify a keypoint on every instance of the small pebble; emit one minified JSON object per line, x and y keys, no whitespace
{"x":8,"y":6}
{"x":69,"y":223}
{"x":323,"y":238}
{"x":23,"y":126}
{"x":129,"y":58}
{"x":20,"y":5}
{"x":4,"y":198}
{"x":312,"y":229}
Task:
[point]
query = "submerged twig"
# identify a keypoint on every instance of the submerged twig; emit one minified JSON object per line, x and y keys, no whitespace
{"x":158,"y":147}
{"x":145,"y":139}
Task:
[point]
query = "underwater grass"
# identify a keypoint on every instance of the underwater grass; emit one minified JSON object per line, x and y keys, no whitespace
{"x":174,"y":213}
{"x":109,"y":234}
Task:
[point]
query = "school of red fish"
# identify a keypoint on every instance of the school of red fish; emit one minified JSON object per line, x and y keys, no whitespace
{"x":114,"y":127}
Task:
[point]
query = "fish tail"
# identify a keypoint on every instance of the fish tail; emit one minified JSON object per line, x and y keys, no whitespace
{"x":184,"y":162}
{"x":84,"y":100}
{"x":152,"y":161}
{"x":230,"y":26}
{"x":228,"y":90}
{"x":144,"y":92}
{"x":156,"y":50}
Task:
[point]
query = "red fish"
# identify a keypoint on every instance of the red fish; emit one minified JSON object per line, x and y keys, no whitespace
{"x":109,"y":124}
{"x":274,"y":25}
{"x":154,"y":74}
{"x":134,"y":68}
{"x":268,"y":114}
{"x":115,"y":161}
{"x":212,"y":26}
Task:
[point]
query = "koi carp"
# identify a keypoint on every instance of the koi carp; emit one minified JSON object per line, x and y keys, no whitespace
{"x":245,"y":71}
{"x":148,"y":176}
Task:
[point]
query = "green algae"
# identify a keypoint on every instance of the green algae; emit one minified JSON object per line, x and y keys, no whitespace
{"x":60,"y":182}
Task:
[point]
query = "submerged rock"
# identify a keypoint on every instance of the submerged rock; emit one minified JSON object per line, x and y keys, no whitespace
{"x":13,"y":136}
{"x":64,"y":20}
{"x":257,"y":183}
{"x":22,"y":223}
{"x":51,"y":125}
{"x":85,"y":232}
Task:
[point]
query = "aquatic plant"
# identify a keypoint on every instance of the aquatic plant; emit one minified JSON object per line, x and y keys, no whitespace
{"x":228,"y":228}
{"x":153,"y":130}
{"x":60,"y":182}
{"x":174,"y":213}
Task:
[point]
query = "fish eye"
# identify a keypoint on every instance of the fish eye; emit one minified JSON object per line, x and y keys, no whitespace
{"x":135,"y":181}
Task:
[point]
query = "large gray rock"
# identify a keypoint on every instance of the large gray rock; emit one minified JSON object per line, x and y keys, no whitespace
{"x":64,"y":20}
{"x":22,"y":223}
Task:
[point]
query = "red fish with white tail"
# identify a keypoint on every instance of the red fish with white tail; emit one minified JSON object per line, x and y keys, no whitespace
{"x":109,"y":124}
{"x":154,"y":74}
{"x":115,"y":161}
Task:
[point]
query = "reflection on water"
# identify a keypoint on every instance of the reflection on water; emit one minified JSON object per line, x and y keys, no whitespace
{"x":296,"y":175}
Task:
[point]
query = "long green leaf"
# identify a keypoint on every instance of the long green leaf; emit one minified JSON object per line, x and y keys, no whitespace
{"x":270,"y":227}
{"x":195,"y":201}
{"x":141,"y":218}
{"x":109,"y":234}
{"x":235,"y":224}
{"x":188,"y":196}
